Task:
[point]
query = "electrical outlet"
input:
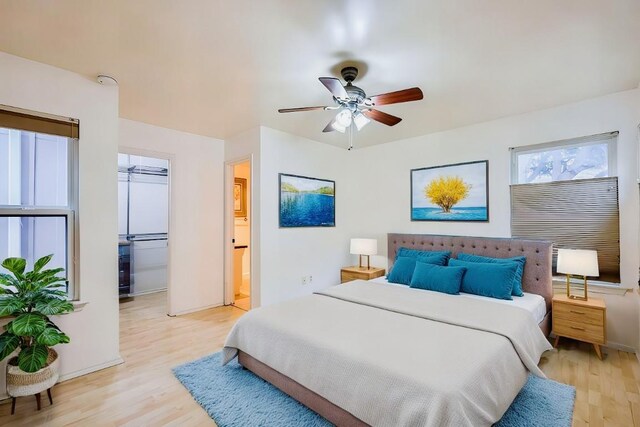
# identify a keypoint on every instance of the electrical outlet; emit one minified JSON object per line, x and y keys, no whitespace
{"x":310,"y":279}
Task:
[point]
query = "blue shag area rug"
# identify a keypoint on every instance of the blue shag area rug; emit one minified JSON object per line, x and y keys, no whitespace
{"x":233,"y":396}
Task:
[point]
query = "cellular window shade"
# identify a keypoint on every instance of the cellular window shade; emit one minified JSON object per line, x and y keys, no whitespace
{"x":14,"y":118}
{"x":578,"y":214}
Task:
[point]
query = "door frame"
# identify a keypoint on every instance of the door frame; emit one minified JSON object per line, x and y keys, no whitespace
{"x":229,"y":228}
{"x":170,"y":248}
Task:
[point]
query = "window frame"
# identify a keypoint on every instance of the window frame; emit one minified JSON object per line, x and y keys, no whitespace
{"x":608,"y":138}
{"x":70,"y":213}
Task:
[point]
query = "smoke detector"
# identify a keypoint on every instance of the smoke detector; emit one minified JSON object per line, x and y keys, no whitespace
{"x":106,"y":80}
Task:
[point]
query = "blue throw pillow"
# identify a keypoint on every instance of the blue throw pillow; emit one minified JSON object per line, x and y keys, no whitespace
{"x":438,"y":278}
{"x":517,"y":281}
{"x":402,"y":270}
{"x":414,"y":253}
{"x":493,"y":280}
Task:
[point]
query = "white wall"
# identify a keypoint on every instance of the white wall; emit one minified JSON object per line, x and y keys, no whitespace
{"x":196,"y":215}
{"x":30,"y":85}
{"x":385,"y":169}
{"x":287,"y":254}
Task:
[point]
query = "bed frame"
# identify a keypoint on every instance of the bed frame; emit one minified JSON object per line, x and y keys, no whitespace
{"x":536,"y":279}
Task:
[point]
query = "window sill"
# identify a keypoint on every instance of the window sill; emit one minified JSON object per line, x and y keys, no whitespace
{"x":560,"y":286}
{"x":78,"y":305}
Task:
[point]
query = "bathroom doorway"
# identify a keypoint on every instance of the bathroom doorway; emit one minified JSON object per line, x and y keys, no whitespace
{"x":242,"y":235}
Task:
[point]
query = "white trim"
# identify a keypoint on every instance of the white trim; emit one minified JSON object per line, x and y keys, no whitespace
{"x":78,"y":305}
{"x":193,"y":310}
{"x":621,"y":347}
{"x":150,"y":291}
{"x":117,"y":361}
{"x":610,"y":345}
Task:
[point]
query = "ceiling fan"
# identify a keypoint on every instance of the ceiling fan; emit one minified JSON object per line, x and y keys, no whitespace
{"x":353,"y":105}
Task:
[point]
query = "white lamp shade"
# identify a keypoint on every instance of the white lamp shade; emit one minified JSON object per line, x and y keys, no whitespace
{"x":364,"y":246}
{"x":578,"y":261}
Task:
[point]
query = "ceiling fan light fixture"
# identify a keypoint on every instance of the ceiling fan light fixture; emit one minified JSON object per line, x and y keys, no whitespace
{"x":343,"y":118}
{"x":337,"y":126}
{"x":360,"y":120}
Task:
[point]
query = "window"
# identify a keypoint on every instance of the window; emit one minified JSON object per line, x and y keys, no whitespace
{"x":567,"y":192}
{"x":581,"y":158}
{"x":38,"y":192}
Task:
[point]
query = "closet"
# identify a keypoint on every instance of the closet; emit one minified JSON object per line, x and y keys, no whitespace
{"x":143,"y":222}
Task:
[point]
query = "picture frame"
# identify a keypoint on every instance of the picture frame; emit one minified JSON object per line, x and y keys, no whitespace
{"x":456,"y":192}
{"x":240,"y":197}
{"x":305,"y":201}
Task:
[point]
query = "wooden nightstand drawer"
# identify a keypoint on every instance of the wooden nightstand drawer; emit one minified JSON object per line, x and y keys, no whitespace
{"x":578,"y":330}
{"x":583,"y":315}
{"x":584,"y":320}
{"x":349,"y":274}
{"x":348,"y":277}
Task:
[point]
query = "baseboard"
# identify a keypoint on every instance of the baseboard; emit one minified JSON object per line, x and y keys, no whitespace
{"x":90,"y":369}
{"x":613,"y":346}
{"x":75,"y":374}
{"x":152,"y":291}
{"x":622,"y":347}
{"x":193,"y":310}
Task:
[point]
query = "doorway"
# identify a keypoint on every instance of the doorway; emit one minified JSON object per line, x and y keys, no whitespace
{"x":143,"y":228}
{"x":238,"y":253}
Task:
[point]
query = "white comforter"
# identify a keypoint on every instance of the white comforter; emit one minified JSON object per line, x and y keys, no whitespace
{"x":395,"y":356}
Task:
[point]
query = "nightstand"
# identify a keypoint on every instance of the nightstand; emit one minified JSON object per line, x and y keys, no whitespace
{"x":348,"y":274}
{"x":581,"y":320}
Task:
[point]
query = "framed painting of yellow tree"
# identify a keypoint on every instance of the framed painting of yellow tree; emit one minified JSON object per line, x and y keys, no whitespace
{"x":458,"y":192}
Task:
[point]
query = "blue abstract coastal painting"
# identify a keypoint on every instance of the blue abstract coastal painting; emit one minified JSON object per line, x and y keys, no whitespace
{"x":307,"y":202}
{"x":457,"y":192}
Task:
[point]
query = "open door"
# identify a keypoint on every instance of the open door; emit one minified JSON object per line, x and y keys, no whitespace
{"x":238,"y":245}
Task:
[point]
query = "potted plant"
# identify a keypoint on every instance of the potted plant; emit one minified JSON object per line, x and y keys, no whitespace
{"x":30,"y":298}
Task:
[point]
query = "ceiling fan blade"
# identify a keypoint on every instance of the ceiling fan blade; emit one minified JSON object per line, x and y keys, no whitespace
{"x":329,"y":127}
{"x":294,"y":110}
{"x":406,"y":95}
{"x":335,"y":87}
{"x":381,"y":117}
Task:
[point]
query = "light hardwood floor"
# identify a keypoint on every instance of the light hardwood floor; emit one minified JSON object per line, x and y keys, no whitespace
{"x":144,"y":392}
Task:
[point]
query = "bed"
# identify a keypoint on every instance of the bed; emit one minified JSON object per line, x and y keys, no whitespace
{"x":372,"y":353}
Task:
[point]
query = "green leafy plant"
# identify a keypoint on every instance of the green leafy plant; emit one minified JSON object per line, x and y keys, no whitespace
{"x":31,"y":297}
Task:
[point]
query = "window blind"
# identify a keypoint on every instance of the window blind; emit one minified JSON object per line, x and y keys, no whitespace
{"x":578,"y":214}
{"x":15,"y":118}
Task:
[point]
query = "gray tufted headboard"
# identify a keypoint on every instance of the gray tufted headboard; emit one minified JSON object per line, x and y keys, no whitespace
{"x":537,"y":270}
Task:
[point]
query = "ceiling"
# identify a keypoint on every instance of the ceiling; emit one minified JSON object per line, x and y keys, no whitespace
{"x":216,"y":68}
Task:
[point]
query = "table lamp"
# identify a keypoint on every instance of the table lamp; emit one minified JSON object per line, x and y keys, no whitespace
{"x":578,"y":262}
{"x":364,"y":247}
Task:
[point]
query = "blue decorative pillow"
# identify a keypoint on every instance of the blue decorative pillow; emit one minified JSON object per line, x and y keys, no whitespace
{"x":438,"y":278}
{"x":402,"y":270}
{"x":517,"y":281}
{"x":414,"y":253}
{"x":493,"y":280}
